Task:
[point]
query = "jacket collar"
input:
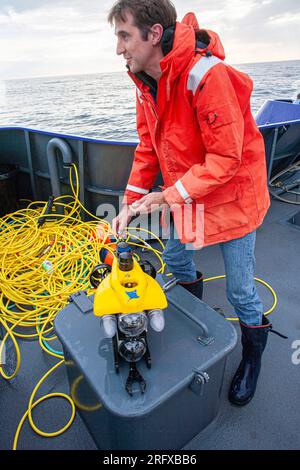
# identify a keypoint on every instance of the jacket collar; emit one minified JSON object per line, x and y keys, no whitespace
{"x":177,"y":60}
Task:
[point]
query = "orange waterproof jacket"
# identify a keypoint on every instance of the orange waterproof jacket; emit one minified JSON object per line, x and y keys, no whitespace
{"x":202,"y":136}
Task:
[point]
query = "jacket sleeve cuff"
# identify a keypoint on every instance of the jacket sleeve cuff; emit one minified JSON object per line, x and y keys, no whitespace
{"x":177,"y":194}
{"x":131,"y":196}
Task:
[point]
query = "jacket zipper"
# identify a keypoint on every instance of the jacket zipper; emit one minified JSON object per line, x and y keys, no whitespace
{"x":154,"y":113}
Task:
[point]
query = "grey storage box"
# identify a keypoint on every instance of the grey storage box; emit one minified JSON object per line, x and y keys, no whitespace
{"x":183,"y":386}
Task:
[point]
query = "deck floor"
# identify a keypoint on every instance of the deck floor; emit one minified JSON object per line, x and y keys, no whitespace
{"x":270,"y":421}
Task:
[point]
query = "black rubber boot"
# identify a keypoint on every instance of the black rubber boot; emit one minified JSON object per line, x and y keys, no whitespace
{"x":194,"y":287}
{"x":254,"y":340}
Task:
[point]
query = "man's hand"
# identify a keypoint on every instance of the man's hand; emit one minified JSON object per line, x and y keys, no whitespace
{"x":145,"y":205}
{"x":122,"y":220}
{"x":149,"y":203}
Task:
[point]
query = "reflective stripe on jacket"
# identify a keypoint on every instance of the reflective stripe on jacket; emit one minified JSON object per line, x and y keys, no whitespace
{"x":202,"y":136}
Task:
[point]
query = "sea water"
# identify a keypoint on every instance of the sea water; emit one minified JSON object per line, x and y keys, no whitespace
{"x":103,"y":105}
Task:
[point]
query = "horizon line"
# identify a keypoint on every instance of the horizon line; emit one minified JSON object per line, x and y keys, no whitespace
{"x":121,"y":71}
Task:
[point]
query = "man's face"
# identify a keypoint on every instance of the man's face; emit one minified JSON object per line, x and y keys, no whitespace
{"x":137,"y":52}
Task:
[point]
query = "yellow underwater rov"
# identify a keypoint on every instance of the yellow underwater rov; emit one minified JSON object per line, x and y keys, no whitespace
{"x":128,"y":299}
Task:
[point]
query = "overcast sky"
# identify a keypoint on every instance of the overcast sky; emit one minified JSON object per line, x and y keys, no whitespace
{"x":62,"y":37}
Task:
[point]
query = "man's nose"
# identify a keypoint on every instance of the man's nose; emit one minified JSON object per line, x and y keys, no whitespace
{"x":120,"y":47}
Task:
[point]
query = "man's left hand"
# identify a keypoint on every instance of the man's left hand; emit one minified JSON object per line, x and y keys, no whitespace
{"x":149,"y":203}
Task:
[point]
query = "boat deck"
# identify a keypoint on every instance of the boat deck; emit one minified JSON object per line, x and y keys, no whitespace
{"x":270,"y":421}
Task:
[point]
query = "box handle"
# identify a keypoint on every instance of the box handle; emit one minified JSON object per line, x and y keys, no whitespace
{"x":204,"y":338}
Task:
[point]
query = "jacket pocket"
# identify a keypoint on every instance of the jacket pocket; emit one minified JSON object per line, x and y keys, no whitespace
{"x":214,"y":118}
{"x":223,"y":210}
{"x":221,"y":196}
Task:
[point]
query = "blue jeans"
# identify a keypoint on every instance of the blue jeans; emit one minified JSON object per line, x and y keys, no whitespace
{"x":239,"y":261}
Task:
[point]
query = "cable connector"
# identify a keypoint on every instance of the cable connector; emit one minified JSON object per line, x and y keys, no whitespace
{"x":48,"y":210}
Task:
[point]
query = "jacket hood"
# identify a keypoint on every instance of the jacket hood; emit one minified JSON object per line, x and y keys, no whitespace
{"x":180,"y":42}
{"x":215,"y":45}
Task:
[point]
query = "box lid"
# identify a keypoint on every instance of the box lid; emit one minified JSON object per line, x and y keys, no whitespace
{"x":194,"y":339}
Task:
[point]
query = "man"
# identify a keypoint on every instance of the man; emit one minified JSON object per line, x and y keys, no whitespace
{"x":195,"y":125}
{"x":297,"y":100}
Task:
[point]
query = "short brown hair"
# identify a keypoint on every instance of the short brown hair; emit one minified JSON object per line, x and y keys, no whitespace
{"x":146,"y":13}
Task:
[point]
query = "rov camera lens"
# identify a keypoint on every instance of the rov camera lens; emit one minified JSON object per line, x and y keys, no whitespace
{"x":133,"y":324}
{"x":133,"y":349}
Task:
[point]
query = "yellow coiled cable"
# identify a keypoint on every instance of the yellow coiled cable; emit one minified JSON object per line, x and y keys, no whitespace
{"x":40,"y":268}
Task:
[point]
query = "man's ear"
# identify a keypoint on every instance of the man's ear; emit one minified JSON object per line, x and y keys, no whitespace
{"x":156,"y":33}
